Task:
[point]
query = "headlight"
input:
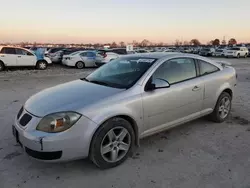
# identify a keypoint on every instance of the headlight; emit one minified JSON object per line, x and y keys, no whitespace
{"x":58,"y":122}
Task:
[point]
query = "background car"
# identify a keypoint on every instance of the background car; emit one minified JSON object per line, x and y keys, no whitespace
{"x":237,"y":52}
{"x":82,"y":59}
{"x":219,"y":52}
{"x":106,"y":57}
{"x":14,"y":56}
{"x":207,"y":52}
{"x":141,"y":51}
{"x":53,"y":50}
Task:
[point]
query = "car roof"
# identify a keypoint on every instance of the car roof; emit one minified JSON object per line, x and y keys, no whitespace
{"x":15,"y":47}
{"x":169,"y":55}
{"x":155,"y":55}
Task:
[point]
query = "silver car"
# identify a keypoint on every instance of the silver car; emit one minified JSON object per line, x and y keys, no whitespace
{"x":104,"y":115}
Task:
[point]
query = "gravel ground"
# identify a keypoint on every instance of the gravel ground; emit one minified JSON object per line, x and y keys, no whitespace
{"x":197,"y":154}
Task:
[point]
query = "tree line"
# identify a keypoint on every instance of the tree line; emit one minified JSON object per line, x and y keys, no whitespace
{"x":145,"y":43}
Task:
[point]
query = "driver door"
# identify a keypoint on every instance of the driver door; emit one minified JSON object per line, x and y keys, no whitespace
{"x":25,"y":58}
{"x":182,"y":100}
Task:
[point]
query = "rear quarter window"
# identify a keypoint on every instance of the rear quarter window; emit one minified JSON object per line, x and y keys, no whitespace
{"x":206,"y":68}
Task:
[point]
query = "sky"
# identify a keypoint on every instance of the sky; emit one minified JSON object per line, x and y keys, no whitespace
{"x":92,"y":21}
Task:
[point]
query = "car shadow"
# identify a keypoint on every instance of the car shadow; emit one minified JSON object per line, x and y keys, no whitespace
{"x":85,"y":166}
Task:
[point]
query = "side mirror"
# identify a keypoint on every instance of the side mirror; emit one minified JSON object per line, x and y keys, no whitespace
{"x":157,"y":84}
{"x":150,"y":87}
{"x":161,"y":83}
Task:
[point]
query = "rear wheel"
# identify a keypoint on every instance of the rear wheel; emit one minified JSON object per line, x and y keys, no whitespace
{"x":245,"y":56}
{"x":80,"y":65}
{"x":222,"y":108}
{"x":1,"y":66}
{"x":41,"y":65}
{"x":112,"y":143}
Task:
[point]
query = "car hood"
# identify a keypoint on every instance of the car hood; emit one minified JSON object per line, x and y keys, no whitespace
{"x":71,"y":96}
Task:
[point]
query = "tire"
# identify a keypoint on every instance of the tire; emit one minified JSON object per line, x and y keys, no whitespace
{"x":41,"y":65}
{"x":1,"y":66}
{"x":217,"y":115}
{"x":245,"y":56}
{"x":238,"y":56}
{"x":105,"y":153}
{"x":80,"y":65}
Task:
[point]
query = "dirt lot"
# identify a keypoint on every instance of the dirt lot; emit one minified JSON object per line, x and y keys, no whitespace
{"x":198,"y":154}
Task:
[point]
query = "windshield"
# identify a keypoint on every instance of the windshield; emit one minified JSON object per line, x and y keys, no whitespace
{"x":121,"y":73}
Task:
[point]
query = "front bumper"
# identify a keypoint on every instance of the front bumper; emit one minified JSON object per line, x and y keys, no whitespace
{"x":69,"y":145}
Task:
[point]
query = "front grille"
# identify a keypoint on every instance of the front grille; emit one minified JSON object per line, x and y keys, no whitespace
{"x":44,"y":155}
{"x":20,"y":113}
{"x":25,"y":119}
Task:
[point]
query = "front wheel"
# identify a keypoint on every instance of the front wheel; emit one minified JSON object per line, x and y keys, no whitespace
{"x":222,"y":108}
{"x":112,"y":143}
{"x":238,"y":55}
{"x":41,"y":65}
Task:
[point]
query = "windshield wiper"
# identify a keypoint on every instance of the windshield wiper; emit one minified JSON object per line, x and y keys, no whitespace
{"x":99,"y":82}
{"x":85,"y":79}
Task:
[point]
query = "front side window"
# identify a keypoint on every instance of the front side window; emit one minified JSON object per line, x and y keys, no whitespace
{"x":23,"y":52}
{"x":176,"y":70}
{"x":7,"y":50}
{"x":207,"y":68}
{"x":122,"y":72}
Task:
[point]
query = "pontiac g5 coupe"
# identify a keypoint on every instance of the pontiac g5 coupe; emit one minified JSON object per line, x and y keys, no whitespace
{"x":104,"y":115}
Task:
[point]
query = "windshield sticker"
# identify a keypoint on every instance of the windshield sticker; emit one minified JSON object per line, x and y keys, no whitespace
{"x":145,"y":60}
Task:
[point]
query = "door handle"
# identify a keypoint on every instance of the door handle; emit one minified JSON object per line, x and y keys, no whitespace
{"x":19,"y":56}
{"x":196,"y":88}
{"x":2,"y":56}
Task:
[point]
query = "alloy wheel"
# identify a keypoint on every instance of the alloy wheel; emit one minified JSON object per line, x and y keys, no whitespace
{"x":80,"y":65}
{"x":224,"y":107}
{"x":115,"y":144}
{"x":42,"y":65}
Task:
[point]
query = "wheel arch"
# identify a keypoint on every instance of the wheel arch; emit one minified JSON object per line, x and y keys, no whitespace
{"x":4,"y":66}
{"x":2,"y":62}
{"x":229,"y":91}
{"x":41,"y":60}
{"x":124,"y":116}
